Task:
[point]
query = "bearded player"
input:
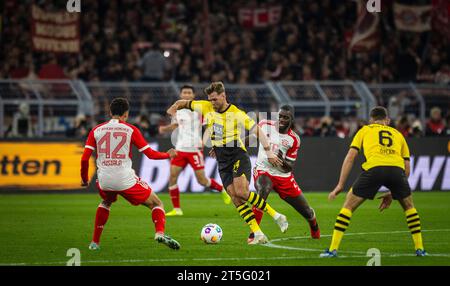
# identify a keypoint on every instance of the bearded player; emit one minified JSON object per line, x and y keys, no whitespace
{"x":113,"y":141}
{"x":284,"y":142}
{"x":189,"y":151}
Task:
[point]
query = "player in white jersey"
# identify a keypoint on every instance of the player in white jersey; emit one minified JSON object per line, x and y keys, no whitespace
{"x":285,"y":143}
{"x":189,"y":151}
{"x":112,"y":141}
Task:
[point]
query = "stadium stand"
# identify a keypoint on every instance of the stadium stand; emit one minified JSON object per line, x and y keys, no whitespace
{"x":144,"y":50}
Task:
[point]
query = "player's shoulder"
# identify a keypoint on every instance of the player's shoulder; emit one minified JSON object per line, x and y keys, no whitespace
{"x":201,"y":102}
{"x":294,"y":136}
{"x":129,"y":125}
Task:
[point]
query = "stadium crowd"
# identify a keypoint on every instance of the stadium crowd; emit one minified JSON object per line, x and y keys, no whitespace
{"x":125,"y":41}
{"x":158,"y":40}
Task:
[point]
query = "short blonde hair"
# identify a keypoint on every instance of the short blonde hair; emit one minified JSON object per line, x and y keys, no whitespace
{"x":216,"y":86}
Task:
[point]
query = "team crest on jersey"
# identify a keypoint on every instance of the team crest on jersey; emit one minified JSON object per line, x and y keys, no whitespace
{"x":285,"y":143}
{"x":218,"y":130}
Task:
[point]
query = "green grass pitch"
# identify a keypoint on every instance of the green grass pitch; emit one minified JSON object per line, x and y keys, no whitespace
{"x":39,"y":229}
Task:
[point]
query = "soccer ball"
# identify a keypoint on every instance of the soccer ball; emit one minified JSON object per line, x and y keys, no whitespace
{"x":211,"y":233}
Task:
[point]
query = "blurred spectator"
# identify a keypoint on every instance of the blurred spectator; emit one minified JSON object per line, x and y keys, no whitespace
{"x":435,"y":125}
{"x":147,"y":128}
{"x":154,"y":64}
{"x":21,"y":124}
{"x":402,"y":125}
{"x":51,"y":70}
{"x":81,"y":127}
{"x":416,"y":129}
{"x":326,"y":128}
{"x":342,"y":130}
{"x":397,"y":105}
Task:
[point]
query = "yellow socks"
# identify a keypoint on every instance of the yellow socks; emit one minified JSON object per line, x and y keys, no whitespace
{"x":247,"y":214}
{"x":261,"y":204}
{"x":342,"y":222}
{"x":413,"y":221}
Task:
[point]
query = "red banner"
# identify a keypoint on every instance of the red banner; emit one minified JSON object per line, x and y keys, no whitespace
{"x":412,"y":18}
{"x":366,"y":34}
{"x":441,"y":17}
{"x":56,"y":32}
{"x":259,"y":17}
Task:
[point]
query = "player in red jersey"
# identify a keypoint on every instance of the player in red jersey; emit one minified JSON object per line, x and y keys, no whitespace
{"x":113,"y":140}
{"x":284,"y":142}
{"x":189,"y":151}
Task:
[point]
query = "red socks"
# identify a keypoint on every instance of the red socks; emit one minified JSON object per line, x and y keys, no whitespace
{"x":175,"y":196}
{"x":101,"y":217}
{"x":216,"y":186}
{"x":159,"y":219}
{"x":258,"y":214}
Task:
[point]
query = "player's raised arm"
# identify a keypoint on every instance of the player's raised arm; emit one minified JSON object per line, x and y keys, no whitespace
{"x":88,"y":150}
{"x":179,"y":104}
{"x":169,"y":128}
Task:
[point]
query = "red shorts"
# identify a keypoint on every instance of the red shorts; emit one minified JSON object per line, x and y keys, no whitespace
{"x":286,"y":187}
{"x":195,"y":159}
{"x":136,"y":195}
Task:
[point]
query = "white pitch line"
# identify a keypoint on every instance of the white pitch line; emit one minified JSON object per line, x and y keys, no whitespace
{"x":171,"y":260}
{"x":270,"y":244}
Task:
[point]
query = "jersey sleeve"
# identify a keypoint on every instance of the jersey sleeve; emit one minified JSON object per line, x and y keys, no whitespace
{"x":201,"y":106}
{"x":291,"y":154}
{"x":138,"y":140}
{"x":357,"y":140}
{"x":405,"y":149}
{"x":90,"y":141}
{"x":245,"y":120}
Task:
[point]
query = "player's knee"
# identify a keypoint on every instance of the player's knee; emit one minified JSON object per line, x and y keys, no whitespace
{"x":172,"y":180}
{"x":264,"y":192}
{"x":153,"y":201}
{"x":105,"y":204}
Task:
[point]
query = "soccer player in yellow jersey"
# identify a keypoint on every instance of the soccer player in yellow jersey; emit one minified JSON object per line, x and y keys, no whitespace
{"x":224,"y":124}
{"x":387,"y":164}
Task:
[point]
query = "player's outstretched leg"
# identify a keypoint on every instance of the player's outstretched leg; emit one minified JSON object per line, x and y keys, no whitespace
{"x":263,"y":186}
{"x":244,"y":210}
{"x":413,"y":221}
{"x":159,"y":219}
{"x":342,"y":222}
{"x":257,"y":201}
{"x":300,"y":204}
{"x":101,"y":217}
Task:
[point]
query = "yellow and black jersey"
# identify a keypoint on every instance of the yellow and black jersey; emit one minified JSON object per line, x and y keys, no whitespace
{"x":226,"y":126}
{"x":382,"y":145}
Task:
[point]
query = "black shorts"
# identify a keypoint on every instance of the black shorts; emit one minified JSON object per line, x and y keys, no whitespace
{"x":233,"y":162}
{"x":393,"y":178}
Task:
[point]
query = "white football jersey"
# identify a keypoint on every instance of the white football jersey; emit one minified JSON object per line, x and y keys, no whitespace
{"x":288,"y":143}
{"x":113,"y":141}
{"x":189,"y":138}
